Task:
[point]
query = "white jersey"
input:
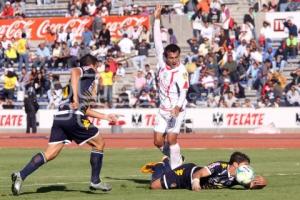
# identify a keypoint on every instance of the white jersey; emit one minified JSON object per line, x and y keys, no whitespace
{"x":173,"y":83}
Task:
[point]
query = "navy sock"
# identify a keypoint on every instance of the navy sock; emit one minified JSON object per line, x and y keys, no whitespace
{"x":167,"y":165}
{"x":96,"y":165}
{"x":36,"y":161}
{"x":166,"y":149}
{"x":159,"y":170}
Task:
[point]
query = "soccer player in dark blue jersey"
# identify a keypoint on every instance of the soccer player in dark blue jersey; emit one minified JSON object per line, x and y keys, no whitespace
{"x":71,"y":123}
{"x":218,"y":174}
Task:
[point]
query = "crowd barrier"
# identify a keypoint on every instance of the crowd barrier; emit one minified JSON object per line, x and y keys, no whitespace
{"x":144,"y":119}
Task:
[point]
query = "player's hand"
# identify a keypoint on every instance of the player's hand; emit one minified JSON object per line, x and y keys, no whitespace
{"x":196,"y":185}
{"x":259,"y":182}
{"x":112,"y":118}
{"x":157,"y":12}
{"x":175,"y":112}
{"x":74,"y":105}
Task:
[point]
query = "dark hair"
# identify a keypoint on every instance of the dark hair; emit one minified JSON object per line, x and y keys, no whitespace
{"x":23,"y":35}
{"x":88,"y":60}
{"x":238,"y":157}
{"x":171,"y":48}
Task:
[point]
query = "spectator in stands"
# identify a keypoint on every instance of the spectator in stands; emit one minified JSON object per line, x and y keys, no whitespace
{"x":229,"y":98}
{"x":31,"y":107}
{"x":172,"y":36}
{"x":283,"y":4}
{"x":8,"y":11}
{"x":197,"y":24}
{"x":144,"y":100}
{"x":54,"y":93}
{"x":39,"y":84}
{"x":83,"y":50}
{"x":61,"y":35}
{"x":145,"y":35}
{"x":11,"y":56}
{"x":140,"y":82}
{"x":292,"y":28}
{"x":215,"y":9}
{"x":225,"y":19}
{"x":104,"y":35}
{"x":2,"y":56}
{"x":204,"y":6}
{"x":24,"y":80}
{"x":22,"y":49}
{"x":106,"y":81}
{"x":87,"y":36}
{"x":91,"y":7}
{"x":19,"y":8}
{"x":126,"y":45}
{"x":247,"y":103}
{"x":293,"y":96}
{"x":10,"y":81}
{"x":266,"y":35}
{"x":292,"y":46}
{"x":43,"y":56}
{"x":64,"y":57}
{"x":123,"y":99}
{"x":150,"y":82}
{"x":121,"y":70}
{"x":207,"y":31}
{"x":142,"y":49}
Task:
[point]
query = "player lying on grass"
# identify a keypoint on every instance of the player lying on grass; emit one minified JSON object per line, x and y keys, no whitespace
{"x":190,"y":176}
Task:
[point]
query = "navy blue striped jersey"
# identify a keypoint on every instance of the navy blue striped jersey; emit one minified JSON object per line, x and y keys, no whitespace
{"x":86,"y":88}
{"x":219,"y":176}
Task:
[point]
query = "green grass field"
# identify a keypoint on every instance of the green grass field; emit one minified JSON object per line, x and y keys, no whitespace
{"x":67,"y":177}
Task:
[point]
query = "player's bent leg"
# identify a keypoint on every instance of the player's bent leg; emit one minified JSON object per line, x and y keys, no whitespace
{"x":175,"y":155}
{"x":36,"y":161}
{"x":158,"y":139}
{"x":96,"y":159}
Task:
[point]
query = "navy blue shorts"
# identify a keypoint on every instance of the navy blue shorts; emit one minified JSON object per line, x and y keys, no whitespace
{"x":180,"y":177}
{"x":72,"y":127}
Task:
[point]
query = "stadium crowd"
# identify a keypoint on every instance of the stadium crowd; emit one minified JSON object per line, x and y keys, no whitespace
{"x":225,"y":59}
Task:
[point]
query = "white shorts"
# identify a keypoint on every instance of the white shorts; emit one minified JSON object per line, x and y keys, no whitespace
{"x":162,"y":119}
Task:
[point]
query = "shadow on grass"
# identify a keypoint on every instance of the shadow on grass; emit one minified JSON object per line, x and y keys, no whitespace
{"x":60,"y":188}
{"x":138,"y":181}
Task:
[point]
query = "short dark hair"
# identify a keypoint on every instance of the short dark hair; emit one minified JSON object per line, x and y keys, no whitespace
{"x":171,"y":48}
{"x":238,"y":157}
{"x":88,"y":60}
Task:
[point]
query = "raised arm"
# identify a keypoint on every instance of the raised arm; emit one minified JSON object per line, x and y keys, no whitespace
{"x":157,"y":35}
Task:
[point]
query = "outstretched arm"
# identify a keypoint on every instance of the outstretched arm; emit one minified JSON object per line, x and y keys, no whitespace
{"x":157,"y":35}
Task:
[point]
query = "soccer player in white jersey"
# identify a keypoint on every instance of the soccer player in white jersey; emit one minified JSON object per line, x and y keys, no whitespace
{"x":173,"y":85}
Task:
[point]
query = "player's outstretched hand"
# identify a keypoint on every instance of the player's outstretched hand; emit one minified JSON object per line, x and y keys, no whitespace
{"x":157,"y":12}
{"x":259,"y":182}
{"x":196,"y":185}
{"x":112,"y":118}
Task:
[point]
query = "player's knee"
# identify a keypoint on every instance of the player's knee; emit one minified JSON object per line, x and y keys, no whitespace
{"x":158,"y":143}
{"x":100,"y":145}
{"x":50,"y":155}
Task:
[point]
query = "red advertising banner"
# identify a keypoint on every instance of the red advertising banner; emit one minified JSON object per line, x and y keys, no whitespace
{"x":37,"y":28}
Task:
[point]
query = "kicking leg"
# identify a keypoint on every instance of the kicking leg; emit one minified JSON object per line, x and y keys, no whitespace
{"x":159,"y":142}
{"x":37,"y":160}
{"x":96,"y":160}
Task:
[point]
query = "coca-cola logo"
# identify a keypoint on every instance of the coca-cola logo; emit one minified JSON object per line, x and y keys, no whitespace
{"x":38,"y":28}
{"x":16,"y":28}
{"x":128,"y":22}
{"x":76,"y":24}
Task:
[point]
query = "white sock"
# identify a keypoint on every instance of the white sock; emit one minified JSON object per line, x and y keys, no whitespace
{"x":175,"y":156}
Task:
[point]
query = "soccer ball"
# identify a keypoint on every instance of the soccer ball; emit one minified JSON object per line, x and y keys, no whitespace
{"x":244,"y":174}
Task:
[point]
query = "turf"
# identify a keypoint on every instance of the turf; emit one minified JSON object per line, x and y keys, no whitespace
{"x":68,"y":176}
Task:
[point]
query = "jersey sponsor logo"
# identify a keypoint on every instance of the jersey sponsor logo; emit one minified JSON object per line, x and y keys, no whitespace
{"x":136,"y":119}
{"x":298,"y":119}
{"x":224,"y":165}
{"x":86,"y":123}
{"x":217,"y":119}
{"x":179,"y":172}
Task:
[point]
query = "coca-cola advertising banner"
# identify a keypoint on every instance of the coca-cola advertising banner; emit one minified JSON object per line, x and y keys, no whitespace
{"x":37,"y":28}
